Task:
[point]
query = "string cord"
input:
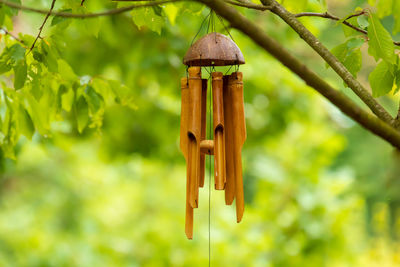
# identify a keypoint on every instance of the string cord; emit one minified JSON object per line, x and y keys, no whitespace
{"x":212,"y":22}
{"x":209,"y":176}
{"x":226,"y":28}
{"x":201,"y":26}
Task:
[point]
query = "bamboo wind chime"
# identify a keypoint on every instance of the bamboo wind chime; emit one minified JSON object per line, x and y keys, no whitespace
{"x":214,"y":49}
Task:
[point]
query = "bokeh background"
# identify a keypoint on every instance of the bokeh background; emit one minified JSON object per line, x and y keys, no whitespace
{"x":320,"y":190}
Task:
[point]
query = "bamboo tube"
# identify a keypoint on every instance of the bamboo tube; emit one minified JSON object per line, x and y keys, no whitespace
{"x":203,"y":129}
{"x":189,"y":210}
{"x":194,"y":133}
{"x":184,"y":146}
{"x":239,"y":130}
{"x":229,"y":162}
{"x":219,"y":139}
{"x":183,"y":142}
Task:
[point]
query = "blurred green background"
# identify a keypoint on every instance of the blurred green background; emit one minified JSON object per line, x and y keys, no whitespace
{"x":320,"y":191}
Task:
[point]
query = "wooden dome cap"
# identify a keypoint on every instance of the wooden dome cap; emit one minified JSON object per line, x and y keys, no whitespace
{"x":213,"y":49}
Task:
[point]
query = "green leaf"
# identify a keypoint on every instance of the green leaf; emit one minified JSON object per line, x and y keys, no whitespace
{"x":396,"y":16}
{"x":94,"y":100}
{"x":38,"y":56}
{"x":2,"y":15}
{"x":50,"y":57}
{"x":295,"y":5}
{"x":20,"y":74}
{"x":172,"y":13}
{"x":384,"y":8}
{"x":353,"y":62}
{"x":381,"y":79}
{"x":355,"y":43}
{"x":4,"y":66}
{"x":25,"y":123}
{"x":363,"y":21}
{"x":91,"y":26}
{"x":340,"y":52}
{"x":66,"y":71}
{"x":10,"y":135}
{"x":81,"y":113}
{"x":148,"y":18}
{"x":38,"y":115}
{"x":26,"y":38}
{"x":349,"y":31}
{"x":157,"y":10}
{"x":397,"y":81}
{"x":397,"y":76}
{"x":102,"y":87}
{"x":124,"y":95}
{"x":58,"y":19}
{"x":380,"y":41}
{"x":67,"y":100}
{"x":17,"y":52}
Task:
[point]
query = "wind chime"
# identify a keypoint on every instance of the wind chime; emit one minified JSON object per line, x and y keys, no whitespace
{"x":229,"y":128}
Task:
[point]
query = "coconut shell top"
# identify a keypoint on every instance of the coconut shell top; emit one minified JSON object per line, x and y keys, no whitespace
{"x":213,"y":49}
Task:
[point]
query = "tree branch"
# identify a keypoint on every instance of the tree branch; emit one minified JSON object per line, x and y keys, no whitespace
{"x":88,"y":15}
{"x":248,"y":4}
{"x":336,"y":65}
{"x":241,"y":3}
{"x":44,"y":22}
{"x":345,"y":104}
{"x":327,"y":15}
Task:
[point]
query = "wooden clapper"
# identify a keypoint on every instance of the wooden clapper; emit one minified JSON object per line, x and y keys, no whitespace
{"x":214,"y":49}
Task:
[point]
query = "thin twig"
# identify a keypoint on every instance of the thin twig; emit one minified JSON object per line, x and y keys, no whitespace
{"x":82,"y":2}
{"x":88,"y":15}
{"x":327,"y":15}
{"x":42,"y":26}
{"x":12,"y":35}
{"x":332,"y":17}
{"x":363,"y":12}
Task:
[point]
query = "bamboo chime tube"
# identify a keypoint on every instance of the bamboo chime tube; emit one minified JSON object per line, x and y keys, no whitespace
{"x":184,"y":145}
{"x":203,"y":129}
{"x":239,"y":136}
{"x":194,"y":132}
{"x":229,"y":163}
{"x":218,"y":123}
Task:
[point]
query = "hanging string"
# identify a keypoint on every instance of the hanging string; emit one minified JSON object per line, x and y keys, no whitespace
{"x":209,"y":175}
{"x":201,"y":27}
{"x":187,"y":76}
{"x":210,"y":21}
{"x":228,"y":70}
{"x":226,"y":28}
